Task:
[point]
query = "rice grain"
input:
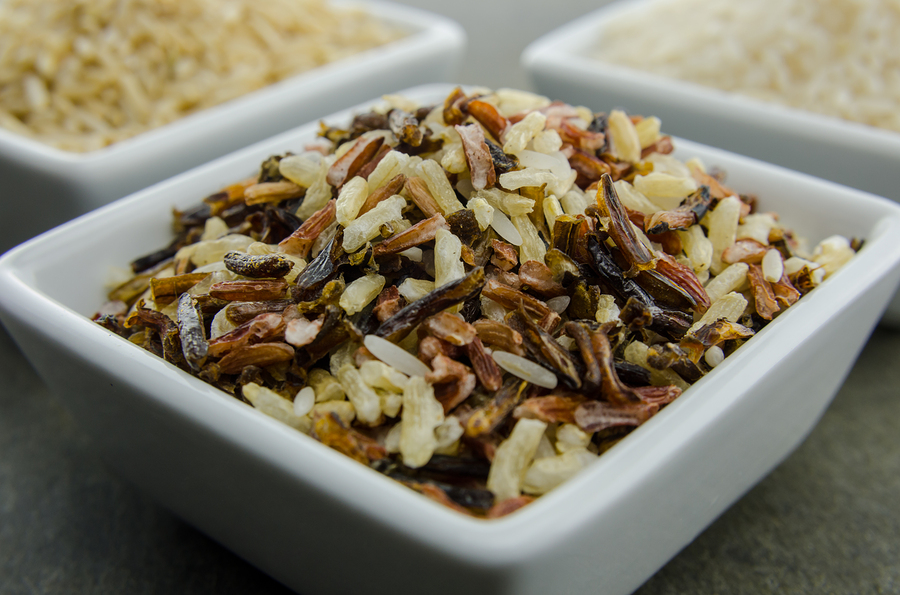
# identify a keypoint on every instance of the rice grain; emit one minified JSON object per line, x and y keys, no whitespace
{"x":85,"y":74}
{"x":837,"y":58}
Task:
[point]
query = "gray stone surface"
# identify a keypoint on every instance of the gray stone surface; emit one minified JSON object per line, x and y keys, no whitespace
{"x":825,"y":521}
{"x":67,"y":525}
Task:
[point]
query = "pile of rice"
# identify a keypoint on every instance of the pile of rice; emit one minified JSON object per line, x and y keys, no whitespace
{"x":83,"y":74}
{"x":838,"y":58}
{"x":321,"y":290}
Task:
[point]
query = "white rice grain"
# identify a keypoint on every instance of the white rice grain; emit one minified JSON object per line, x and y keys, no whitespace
{"x":420,"y":416}
{"x":513,"y":457}
{"x":525,"y":369}
{"x":837,"y":58}
{"x":304,"y":401}
{"x":832,"y":253}
{"x":772,"y":266}
{"x":505,"y":229}
{"x":714,"y":356}
{"x":395,"y":356}
{"x":276,"y":406}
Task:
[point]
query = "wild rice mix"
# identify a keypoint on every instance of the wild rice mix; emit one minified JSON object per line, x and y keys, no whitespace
{"x":477,"y":298}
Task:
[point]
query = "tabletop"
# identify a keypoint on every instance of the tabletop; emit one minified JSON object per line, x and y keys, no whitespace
{"x":825,"y":521}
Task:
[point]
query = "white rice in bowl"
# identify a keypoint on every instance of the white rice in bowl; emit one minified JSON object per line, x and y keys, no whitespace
{"x":835,"y":57}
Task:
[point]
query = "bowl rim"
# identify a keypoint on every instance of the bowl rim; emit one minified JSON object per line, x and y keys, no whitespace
{"x":564,"y":51}
{"x":525,"y":534}
{"x":424,"y":29}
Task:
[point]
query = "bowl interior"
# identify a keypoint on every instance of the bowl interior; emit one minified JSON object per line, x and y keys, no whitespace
{"x":70,"y":267}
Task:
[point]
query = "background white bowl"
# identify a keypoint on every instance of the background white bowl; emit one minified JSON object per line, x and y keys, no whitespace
{"x":321,"y":523}
{"x":562,"y":63}
{"x":849,"y":153}
{"x":44,"y":186}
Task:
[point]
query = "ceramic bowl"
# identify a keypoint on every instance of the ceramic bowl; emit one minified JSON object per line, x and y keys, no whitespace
{"x":44,"y":186}
{"x":321,"y":523}
{"x":561,"y":63}
{"x":839,"y":150}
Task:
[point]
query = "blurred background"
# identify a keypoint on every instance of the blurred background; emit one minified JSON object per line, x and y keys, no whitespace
{"x":500,"y":30}
{"x":825,"y":521}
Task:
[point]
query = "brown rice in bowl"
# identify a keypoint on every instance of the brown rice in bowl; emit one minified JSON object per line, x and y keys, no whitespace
{"x":82,"y":75}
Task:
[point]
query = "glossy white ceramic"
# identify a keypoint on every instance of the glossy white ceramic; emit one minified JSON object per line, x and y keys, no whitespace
{"x":853,"y":154}
{"x":322,"y":523}
{"x":43,"y":186}
{"x":561,"y":63}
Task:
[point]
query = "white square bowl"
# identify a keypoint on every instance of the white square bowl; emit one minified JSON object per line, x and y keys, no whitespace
{"x":562,"y":63}
{"x":849,"y":153}
{"x":322,"y":523}
{"x":44,"y":186}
